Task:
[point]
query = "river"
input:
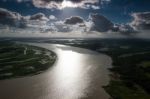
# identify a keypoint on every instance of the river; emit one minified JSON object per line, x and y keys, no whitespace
{"x":77,"y":74}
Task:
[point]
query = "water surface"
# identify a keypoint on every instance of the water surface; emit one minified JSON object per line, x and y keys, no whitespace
{"x":77,"y":74}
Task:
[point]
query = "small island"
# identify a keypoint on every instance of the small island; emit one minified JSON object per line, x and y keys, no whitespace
{"x":19,"y":60}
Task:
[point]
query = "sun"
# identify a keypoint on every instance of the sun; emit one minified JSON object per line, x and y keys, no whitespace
{"x":67,"y":3}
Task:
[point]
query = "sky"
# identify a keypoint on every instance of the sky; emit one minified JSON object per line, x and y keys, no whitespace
{"x":75,"y":18}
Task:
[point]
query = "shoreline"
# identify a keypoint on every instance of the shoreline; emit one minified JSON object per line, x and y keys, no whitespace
{"x":82,"y":77}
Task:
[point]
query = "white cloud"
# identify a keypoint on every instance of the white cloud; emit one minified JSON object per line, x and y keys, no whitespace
{"x":141,"y":21}
{"x":126,"y":29}
{"x":60,"y":4}
{"x":95,"y":7}
{"x":13,"y":23}
{"x":39,"y":17}
{"x":14,"y":19}
{"x":52,"y":17}
{"x":11,"y":18}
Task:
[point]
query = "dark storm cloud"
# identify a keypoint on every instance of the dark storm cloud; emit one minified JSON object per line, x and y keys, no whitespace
{"x":141,"y":21}
{"x":100,"y":23}
{"x":74,"y":20}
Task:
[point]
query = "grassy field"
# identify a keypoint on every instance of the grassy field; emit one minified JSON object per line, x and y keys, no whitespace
{"x":18,"y":60}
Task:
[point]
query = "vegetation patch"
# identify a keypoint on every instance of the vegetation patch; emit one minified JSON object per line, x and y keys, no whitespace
{"x":130,"y":74}
{"x":119,"y":90}
{"x":19,"y":60}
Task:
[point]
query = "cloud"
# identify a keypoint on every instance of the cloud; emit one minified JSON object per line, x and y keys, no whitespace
{"x":19,"y":1}
{"x":141,"y":21}
{"x":14,"y":19}
{"x":97,"y":25}
{"x":60,"y":4}
{"x":74,"y":20}
{"x":126,"y":29}
{"x":61,"y":27}
{"x":75,"y":24}
{"x":39,"y":17}
{"x":11,"y":18}
{"x":100,"y":23}
{"x":52,"y":17}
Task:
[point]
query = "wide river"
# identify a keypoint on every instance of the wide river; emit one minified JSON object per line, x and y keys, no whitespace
{"x":77,"y":74}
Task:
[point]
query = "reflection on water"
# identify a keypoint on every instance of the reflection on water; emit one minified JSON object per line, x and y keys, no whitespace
{"x":69,"y":75}
{"x":78,"y":73}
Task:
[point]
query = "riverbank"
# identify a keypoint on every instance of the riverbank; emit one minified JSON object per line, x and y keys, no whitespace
{"x":19,"y":60}
{"x":77,"y":74}
{"x":130,"y":76}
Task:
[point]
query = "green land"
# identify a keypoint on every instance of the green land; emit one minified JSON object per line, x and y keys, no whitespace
{"x":130,"y":72}
{"x":19,"y":60}
{"x":130,"y":76}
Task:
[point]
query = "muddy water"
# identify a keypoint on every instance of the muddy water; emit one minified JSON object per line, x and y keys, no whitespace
{"x":77,"y":74}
